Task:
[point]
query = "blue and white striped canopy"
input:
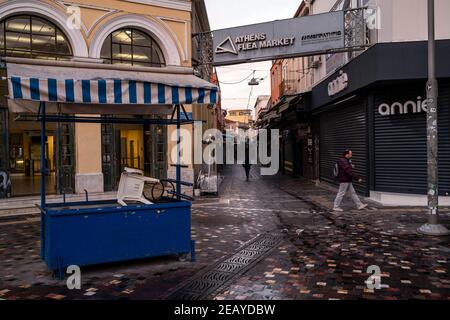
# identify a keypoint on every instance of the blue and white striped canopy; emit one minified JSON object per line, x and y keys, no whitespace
{"x":84,"y":86}
{"x":103,"y":91}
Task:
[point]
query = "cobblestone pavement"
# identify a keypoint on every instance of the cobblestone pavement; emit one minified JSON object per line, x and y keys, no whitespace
{"x":326,"y":255}
{"x":322,"y":256}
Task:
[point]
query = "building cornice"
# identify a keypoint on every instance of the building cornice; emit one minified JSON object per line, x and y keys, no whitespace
{"x":171,"y":4}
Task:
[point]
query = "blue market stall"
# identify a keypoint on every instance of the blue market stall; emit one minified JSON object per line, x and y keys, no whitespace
{"x":95,"y":232}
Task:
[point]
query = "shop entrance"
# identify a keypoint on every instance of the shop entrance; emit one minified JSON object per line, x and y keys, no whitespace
{"x":137,"y":146}
{"x":24,"y":142}
{"x":131,"y":146}
{"x":122,"y":146}
{"x":20,"y":153}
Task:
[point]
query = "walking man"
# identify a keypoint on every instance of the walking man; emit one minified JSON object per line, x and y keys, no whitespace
{"x":247,"y":166}
{"x":344,"y":174}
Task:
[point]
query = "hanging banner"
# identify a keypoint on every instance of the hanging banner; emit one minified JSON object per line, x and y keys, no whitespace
{"x":308,"y":35}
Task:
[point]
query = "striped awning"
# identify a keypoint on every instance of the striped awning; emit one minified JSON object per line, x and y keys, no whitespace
{"x":87,"y":83}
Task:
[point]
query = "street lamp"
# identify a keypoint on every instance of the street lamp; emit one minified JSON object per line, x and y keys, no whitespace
{"x":432,"y":227}
{"x":253,"y":82}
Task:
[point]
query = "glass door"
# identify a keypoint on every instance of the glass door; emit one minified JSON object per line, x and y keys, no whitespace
{"x":65,"y":133}
{"x":110,"y":156}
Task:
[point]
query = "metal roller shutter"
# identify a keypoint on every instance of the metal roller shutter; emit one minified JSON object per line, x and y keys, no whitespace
{"x":288,"y":157}
{"x":340,"y":129}
{"x":444,"y":139}
{"x":400,"y":143}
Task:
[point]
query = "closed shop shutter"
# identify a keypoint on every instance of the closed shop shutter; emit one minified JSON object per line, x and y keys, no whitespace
{"x":288,"y":155}
{"x":401,"y":143}
{"x":444,"y":138}
{"x":340,"y":129}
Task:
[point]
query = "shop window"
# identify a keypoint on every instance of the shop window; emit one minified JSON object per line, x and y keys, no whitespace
{"x":133,"y":47}
{"x":33,"y":37}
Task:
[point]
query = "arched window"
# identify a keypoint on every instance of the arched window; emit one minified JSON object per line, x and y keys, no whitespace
{"x":132,"y":46}
{"x":33,"y":37}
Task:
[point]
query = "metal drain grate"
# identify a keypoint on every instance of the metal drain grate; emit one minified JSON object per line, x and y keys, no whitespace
{"x":209,"y":282}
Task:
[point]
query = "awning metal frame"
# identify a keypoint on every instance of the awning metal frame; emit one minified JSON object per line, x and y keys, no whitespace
{"x":43,"y":118}
{"x":82,"y":119}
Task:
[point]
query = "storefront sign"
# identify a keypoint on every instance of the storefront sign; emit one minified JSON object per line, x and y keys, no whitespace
{"x":339,"y":84}
{"x":410,"y":106}
{"x":277,"y":39}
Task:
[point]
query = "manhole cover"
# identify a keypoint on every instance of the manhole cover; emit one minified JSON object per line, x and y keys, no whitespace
{"x":209,"y":282}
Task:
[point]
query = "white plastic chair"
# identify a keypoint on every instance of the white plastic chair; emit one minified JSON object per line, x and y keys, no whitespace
{"x":131,"y":186}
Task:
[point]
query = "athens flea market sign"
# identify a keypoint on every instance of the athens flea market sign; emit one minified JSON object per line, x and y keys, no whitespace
{"x":279,"y":39}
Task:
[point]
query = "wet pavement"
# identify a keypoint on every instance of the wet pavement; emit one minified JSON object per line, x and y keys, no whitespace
{"x":321,"y":256}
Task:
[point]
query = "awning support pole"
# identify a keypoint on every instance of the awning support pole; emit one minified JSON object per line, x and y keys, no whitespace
{"x":43,"y":169}
{"x":178,"y":167}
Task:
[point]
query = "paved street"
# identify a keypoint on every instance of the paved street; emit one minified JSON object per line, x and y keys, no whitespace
{"x":321,"y":255}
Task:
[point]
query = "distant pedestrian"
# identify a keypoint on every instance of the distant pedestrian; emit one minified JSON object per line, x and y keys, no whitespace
{"x":343,"y":171}
{"x":247,"y":166}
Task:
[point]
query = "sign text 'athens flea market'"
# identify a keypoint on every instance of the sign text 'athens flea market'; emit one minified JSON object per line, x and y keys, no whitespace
{"x":279,"y":39}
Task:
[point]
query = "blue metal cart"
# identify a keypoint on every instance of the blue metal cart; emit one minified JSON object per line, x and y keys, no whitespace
{"x":95,"y":232}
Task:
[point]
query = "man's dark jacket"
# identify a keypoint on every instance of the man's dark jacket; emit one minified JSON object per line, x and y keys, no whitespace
{"x":345,"y":172}
{"x":247,"y":164}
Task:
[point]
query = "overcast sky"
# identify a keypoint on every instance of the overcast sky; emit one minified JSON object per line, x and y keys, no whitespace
{"x":232,"y":13}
